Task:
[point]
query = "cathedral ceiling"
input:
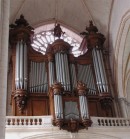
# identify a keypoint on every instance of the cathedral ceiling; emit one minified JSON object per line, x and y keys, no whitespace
{"x":75,"y":14}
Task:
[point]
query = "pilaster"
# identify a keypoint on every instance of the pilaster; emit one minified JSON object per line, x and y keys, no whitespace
{"x":4,"y":33}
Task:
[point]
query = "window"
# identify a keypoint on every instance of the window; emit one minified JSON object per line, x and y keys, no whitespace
{"x":44,"y":36}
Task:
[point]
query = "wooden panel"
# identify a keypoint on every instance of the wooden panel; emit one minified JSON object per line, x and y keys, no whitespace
{"x":39,"y":107}
{"x":93,"y":108}
{"x":107,"y":112}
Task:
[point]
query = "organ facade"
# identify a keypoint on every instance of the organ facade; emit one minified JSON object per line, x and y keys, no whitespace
{"x":69,"y":88}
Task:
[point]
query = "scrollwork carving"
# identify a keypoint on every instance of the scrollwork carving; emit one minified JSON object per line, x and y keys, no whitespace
{"x":20,"y":97}
{"x":57,"y":88}
{"x":81,"y":88}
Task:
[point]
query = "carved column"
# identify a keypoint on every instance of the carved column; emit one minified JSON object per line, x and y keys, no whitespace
{"x":57,"y":92}
{"x":82,"y":90}
{"x":20,"y":39}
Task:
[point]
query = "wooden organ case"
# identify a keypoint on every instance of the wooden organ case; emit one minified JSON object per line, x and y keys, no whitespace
{"x":69,"y":88}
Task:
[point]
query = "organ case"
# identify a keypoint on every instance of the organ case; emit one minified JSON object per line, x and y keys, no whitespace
{"x":69,"y":88}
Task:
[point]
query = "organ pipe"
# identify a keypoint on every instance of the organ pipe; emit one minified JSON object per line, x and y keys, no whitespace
{"x":105,"y":78}
{"x":21,"y":66}
{"x":97,"y":72}
{"x":62,"y":70}
{"x":38,"y":80}
{"x":85,"y":75}
{"x":82,"y":90}
{"x":17,"y":67}
{"x":83,"y":107}
{"x":73,"y":76}
{"x":67,"y":71}
{"x":60,"y":50}
{"x":51,"y":73}
{"x":25,"y":66}
{"x":100,"y":70}
{"x":57,"y":91}
{"x":58,"y":106}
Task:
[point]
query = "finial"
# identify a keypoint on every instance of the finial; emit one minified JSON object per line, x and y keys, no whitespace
{"x":91,"y":27}
{"x":21,"y":22}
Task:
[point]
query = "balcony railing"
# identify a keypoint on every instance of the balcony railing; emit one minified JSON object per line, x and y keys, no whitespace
{"x":110,"y":122}
{"x":46,"y":121}
{"x":28,"y":121}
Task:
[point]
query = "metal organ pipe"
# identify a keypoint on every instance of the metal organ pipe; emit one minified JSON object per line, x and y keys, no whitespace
{"x":67,"y":71}
{"x":82,"y":100}
{"x":91,"y":78}
{"x":73,"y":75}
{"x":57,"y":91}
{"x":105,"y":78}
{"x":25,"y":66}
{"x":34,"y":77}
{"x":94,"y":63}
{"x":51,"y":73}
{"x":21,"y":66}
{"x":58,"y":107}
{"x":38,"y":77}
{"x":42,"y":76}
{"x":95,"y":72}
{"x":62,"y":70}
{"x":96,"y":68}
{"x":57,"y":67}
{"x":86,"y":76}
{"x":84,"y":110}
{"x":100,"y":70}
{"x":45,"y":83}
{"x":64,"y":75}
{"x":17,"y":67}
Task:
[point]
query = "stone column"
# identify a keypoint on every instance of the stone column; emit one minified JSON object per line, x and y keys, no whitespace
{"x":4,"y":34}
{"x":123,"y":107}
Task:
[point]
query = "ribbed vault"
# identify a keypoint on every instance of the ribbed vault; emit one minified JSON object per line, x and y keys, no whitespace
{"x":74,"y":14}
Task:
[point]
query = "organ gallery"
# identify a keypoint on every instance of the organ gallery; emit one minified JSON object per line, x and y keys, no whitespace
{"x":57,"y":83}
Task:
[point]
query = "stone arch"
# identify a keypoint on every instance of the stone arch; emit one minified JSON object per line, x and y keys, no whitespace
{"x":121,"y":45}
{"x":122,"y":62}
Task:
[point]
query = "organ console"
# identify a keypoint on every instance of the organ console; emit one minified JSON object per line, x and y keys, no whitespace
{"x":69,"y":88}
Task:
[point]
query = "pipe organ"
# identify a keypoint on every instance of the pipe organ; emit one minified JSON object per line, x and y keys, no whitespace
{"x":38,"y":77}
{"x":69,"y":88}
{"x":86,"y":76}
{"x":101,"y":79}
{"x":21,"y":66}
